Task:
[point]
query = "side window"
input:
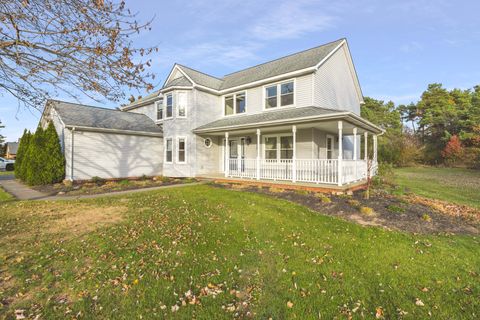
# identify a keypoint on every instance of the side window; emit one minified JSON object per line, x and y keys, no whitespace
{"x":159,"y":104}
{"x":181,"y":150}
{"x":169,"y":113}
{"x":168,"y":150}
{"x":279,"y":95}
{"x":235,"y":103}
{"x":182,"y":104}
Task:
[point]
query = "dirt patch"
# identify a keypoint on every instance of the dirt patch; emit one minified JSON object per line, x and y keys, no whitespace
{"x":381,"y":209}
{"x":100,"y":186}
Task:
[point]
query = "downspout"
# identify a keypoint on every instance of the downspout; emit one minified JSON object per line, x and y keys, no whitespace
{"x":71,"y":154}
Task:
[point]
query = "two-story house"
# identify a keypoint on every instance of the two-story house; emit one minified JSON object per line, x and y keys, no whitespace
{"x":293,"y":119}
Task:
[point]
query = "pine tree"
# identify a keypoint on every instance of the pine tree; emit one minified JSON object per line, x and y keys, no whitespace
{"x":35,"y":159}
{"x":21,"y":154}
{"x":55,"y":166}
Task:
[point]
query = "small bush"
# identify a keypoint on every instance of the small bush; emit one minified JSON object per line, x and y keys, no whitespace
{"x":97,"y":180}
{"x":302,"y":192}
{"x":427,"y":218}
{"x":143,"y":177}
{"x":276,"y":190}
{"x":354,"y":203}
{"x":395,"y":209}
{"x":124,"y":182}
{"x":367,"y":211}
{"x":323,"y":198}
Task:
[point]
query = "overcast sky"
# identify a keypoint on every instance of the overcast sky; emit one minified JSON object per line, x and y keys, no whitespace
{"x":398,"y":47}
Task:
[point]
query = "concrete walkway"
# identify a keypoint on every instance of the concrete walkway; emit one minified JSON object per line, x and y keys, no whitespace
{"x":23,"y":192}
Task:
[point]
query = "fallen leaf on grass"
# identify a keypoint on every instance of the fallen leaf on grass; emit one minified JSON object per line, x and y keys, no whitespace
{"x":290,"y":304}
{"x":419,"y":302}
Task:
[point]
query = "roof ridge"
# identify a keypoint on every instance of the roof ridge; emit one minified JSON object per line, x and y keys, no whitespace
{"x":289,"y":55}
{"x":206,"y":74}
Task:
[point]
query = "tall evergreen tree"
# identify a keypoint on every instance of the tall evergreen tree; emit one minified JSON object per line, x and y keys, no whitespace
{"x":36,"y":159}
{"x":20,"y":162}
{"x":55,"y":166}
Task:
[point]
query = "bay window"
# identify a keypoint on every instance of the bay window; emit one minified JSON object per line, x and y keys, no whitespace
{"x":169,"y":113}
{"x":159,"y":104}
{"x":168,"y":150}
{"x":279,"y":95}
{"x":235,"y":103}
{"x":181,"y":158}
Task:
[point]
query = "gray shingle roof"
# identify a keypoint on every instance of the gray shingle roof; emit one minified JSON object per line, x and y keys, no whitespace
{"x":202,"y":78}
{"x":293,"y":62}
{"x":265,"y":117}
{"x":182,"y":81}
{"x":73,"y":114}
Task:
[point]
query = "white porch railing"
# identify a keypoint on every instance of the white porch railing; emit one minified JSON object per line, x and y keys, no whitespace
{"x":306,"y":170}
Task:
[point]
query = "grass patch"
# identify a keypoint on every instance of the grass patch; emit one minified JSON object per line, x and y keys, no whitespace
{"x":395,"y":209}
{"x":455,"y":185}
{"x":367,"y":211}
{"x":5,"y":196}
{"x":7,"y":173}
{"x":203,"y":252}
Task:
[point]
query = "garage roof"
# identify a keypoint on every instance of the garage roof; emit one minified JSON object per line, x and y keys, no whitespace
{"x":79,"y":115}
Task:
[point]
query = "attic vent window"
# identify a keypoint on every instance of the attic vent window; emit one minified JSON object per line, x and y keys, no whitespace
{"x":207,"y":142}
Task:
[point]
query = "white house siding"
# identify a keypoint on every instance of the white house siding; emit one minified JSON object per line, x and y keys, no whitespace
{"x":149,"y":110}
{"x":107,"y":155}
{"x":335,"y":85}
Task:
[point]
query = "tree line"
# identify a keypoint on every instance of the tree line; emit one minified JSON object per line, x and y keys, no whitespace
{"x":40,"y":159}
{"x":442,"y":128}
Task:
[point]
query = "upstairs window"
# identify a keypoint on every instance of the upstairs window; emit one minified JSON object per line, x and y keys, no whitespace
{"x":235,"y":103}
{"x":279,"y":95}
{"x":182,"y":105}
{"x":169,"y":106}
{"x":159,"y":104}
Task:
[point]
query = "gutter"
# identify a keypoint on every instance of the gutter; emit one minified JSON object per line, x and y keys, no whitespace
{"x":71,"y":154}
{"x":119,"y":131}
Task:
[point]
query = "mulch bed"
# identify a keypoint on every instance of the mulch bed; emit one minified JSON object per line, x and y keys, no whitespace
{"x":107,"y":186}
{"x":390,"y":212}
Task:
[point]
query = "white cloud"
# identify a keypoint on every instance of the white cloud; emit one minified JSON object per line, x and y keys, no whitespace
{"x":411,"y":47}
{"x":291,"y":20}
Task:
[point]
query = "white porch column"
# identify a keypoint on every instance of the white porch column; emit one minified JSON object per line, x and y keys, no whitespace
{"x":365,"y":156}
{"x":355,"y":151}
{"x":294,"y":156}
{"x":340,"y":153}
{"x":375,"y":148}
{"x":258,"y":154}
{"x":227,"y":152}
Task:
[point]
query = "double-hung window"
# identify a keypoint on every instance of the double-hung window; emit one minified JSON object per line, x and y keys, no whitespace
{"x":181,"y":149}
{"x":279,"y":147}
{"x":169,"y":150}
{"x":169,"y":113}
{"x":159,"y":105}
{"x":182,"y":105}
{"x":235,"y":103}
{"x":279,"y":95}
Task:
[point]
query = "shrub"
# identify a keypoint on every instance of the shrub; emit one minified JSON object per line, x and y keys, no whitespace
{"x":302,"y":192}
{"x":97,"y":180}
{"x":395,"y":209}
{"x":367,"y":211}
{"x":55,"y":165}
{"x":323,"y":198}
{"x":354,"y":203}
{"x":124,"y":182}
{"x":35,"y":159}
{"x":21,"y":153}
{"x":276,"y":190}
{"x":453,"y":151}
{"x":427,"y":218}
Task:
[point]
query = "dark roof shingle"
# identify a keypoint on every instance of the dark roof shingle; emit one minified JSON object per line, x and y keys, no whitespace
{"x":73,"y":114}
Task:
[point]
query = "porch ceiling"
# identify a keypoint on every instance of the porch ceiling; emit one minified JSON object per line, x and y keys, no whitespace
{"x":274,"y":121}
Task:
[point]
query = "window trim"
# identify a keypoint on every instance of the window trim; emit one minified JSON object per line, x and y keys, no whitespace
{"x":166,"y":106}
{"x":184,"y":150}
{"x":178,"y":104}
{"x":279,"y":145}
{"x":234,"y":97}
{"x":165,"y":149}
{"x":279,"y":94}
{"x":161,"y":106}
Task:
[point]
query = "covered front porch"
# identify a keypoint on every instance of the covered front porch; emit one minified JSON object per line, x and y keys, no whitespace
{"x":316,"y":152}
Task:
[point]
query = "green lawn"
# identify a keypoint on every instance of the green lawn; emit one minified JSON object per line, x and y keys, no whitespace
{"x":230,"y":250}
{"x":461,"y":186}
{"x":6,"y":173}
{"x":4,"y":196}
